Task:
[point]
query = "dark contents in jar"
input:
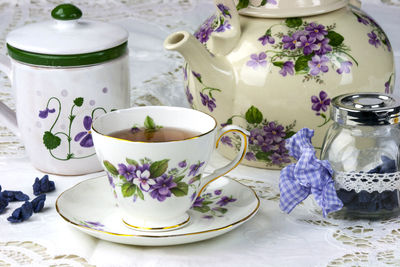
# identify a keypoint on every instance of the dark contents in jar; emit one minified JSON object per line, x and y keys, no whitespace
{"x":375,"y":201}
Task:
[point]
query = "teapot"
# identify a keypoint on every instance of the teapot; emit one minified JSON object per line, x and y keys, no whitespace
{"x":65,"y":72}
{"x":273,"y":66}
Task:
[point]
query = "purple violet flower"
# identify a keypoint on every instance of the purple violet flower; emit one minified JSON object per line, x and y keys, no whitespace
{"x":189,"y":96}
{"x":320,"y":103}
{"x":387,"y":87}
{"x":373,"y":39}
{"x":289,"y":42}
{"x":182,"y":164}
{"x":316,"y":31}
{"x":225,"y":200}
{"x":128,"y":171}
{"x":274,"y":132}
{"x":279,"y":159}
{"x":208,"y":102}
{"x":198,"y":202}
{"x":194,"y":169}
{"x":272,"y":2}
{"x":185,"y":73}
{"x":197,"y":75}
{"x":44,"y":113}
{"x":257,"y":137}
{"x":142,"y":175}
{"x":86,"y":136}
{"x":223,"y":27}
{"x":135,"y":129}
{"x":257,"y":60}
{"x":266,"y":39}
{"x":204,"y":34}
{"x":317,"y":64}
{"x":161,"y":189}
{"x":345,"y":67}
{"x":226,"y":140}
{"x":323,"y":47}
{"x":218,"y":192}
{"x":362,"y":20}
{"x":96,"y":224}
{"x":288,"y":67}
{"x":308,"y":44}
{"x":224,"y":10}
{"x":250,"y":156}
{"x":209,"y":217}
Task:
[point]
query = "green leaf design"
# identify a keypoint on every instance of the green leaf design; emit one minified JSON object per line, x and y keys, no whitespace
{"x":179,"y":178}
{"x":323,"y":115}
{"x":149,"y":123}
{"x":158,"y":168}
{"x":222,"y":210}
{"x":263,"y":2}
{"x":139,"y":193}
{"x":278,"y":63}
{"x":242,"y":4}
{"x":335,"y":38}
{"x":202,"y":209}
{"x":181,"y":189}
{"x":289,"y":134}
{"x":131,"y":162}
{"x":293,"y":22}
{"x":78,"y":101}
{"x":263,"y":156}
{"x":253,"y":115}
{"x":128,"y":189}
{"x":110,"y":168}
{"x":50,"y":140}
{"x":302,"y":63}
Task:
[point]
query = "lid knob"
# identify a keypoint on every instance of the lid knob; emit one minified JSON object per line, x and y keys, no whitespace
{"x":66,"y":12}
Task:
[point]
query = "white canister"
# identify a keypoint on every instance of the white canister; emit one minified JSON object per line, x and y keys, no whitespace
{"x":64,"y":73}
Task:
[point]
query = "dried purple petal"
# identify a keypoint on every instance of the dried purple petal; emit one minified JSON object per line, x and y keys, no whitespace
{"x":43,"y":185}
{"x":21,"y":214}
{"x":38,"y":203}
{"x":3,"y":203}
{"x":14,"y":196}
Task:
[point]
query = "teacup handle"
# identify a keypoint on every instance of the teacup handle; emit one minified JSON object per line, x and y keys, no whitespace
{"x":243,"y":134}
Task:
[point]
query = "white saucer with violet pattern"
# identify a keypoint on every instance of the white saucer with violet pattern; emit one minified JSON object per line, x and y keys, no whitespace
{"x":223,"y":206}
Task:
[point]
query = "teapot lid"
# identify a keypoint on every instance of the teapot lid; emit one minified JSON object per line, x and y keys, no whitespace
{"x":287,"y":8}
{"x":67,"y":40}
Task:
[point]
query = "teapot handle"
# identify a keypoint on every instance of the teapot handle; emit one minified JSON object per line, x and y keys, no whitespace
{"x":7,"y":115}
{"x":243,"y":134}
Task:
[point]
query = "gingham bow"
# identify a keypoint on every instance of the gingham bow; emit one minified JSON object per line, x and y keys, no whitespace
{"x":308,"y":176}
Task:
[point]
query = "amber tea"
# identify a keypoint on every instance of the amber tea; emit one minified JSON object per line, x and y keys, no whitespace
{"x":164,"y":134}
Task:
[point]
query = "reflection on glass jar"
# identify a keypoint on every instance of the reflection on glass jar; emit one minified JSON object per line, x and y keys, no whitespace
{"x":362,"y":146}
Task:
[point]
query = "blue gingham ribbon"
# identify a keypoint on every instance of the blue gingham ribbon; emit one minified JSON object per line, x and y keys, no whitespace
{"x":308,"y":176}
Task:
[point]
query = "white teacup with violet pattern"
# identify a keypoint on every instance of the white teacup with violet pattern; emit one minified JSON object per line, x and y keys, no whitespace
{"x":156,"y":183}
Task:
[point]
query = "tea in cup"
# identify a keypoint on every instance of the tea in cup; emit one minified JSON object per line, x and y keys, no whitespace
{"x":154,"y":157}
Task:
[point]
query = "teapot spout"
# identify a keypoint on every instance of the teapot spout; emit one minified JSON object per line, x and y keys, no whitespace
{"x":216,"y":68}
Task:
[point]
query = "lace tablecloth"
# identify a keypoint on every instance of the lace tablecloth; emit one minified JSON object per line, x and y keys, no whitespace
{"x":271,"y":238}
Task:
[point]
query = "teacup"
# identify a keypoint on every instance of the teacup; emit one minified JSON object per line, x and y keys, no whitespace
{"x":156,"y":183}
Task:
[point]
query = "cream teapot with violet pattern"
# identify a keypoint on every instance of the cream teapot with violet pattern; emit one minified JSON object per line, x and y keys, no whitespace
{"x":273,"y":66}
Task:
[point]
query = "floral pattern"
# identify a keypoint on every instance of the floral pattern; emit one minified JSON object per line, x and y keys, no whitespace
{"x":304,"y":48}
{"x":52,"y":140}
{"x":266,"y":141}
{"x":320,"y":105}
{"x":215,"y":23}
{"x":206,"y":95}
{"x":154,"y":179}
{"x":212,"y":204}
{"x":376,"y":37}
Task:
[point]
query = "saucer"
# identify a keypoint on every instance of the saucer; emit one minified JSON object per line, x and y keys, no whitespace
{"x":90,"y":207}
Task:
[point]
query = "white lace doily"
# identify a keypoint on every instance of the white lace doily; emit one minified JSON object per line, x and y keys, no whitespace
{"x":370,"y":182}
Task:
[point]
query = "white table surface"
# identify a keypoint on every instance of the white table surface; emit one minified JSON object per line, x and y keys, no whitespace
{"x":271,"y":238}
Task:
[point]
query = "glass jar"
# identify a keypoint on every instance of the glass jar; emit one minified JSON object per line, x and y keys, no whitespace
{"x":362,"y":146}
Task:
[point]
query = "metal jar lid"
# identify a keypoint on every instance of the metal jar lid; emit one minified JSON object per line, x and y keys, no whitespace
{"x":366,"y":109}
